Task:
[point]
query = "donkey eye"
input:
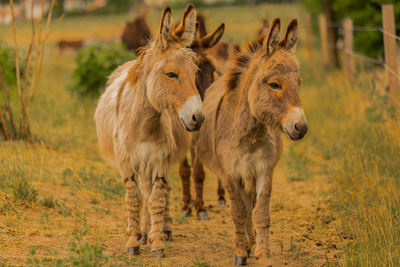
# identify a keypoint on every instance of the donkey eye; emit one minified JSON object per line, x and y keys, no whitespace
{"x":275,"y":86}
{"x":172,"y":75}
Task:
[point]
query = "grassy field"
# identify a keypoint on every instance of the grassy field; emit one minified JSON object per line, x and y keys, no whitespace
{"x":335,"y":198}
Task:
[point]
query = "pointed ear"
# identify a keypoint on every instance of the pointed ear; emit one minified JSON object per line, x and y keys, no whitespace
{"x":290,"y":38}
{"x":272,"y":37}
{"x":166,"y":26}
{"x":186,"y":30}
{"x":212,"y":39}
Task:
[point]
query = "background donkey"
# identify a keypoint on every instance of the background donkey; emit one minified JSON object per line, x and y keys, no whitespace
{"x":205,"y":76}
{"x":246,"y":111}
{"x":143,"y":121}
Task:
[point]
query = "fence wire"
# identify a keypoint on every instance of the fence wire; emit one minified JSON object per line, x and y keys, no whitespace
{"x":359,"y":55}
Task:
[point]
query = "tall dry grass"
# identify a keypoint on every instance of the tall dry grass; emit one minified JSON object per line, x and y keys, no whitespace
{"x":355,"y":132}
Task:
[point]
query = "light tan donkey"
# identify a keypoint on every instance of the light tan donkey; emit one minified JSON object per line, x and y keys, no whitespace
{"x":246,"y":111}
{"x":143,"y":122}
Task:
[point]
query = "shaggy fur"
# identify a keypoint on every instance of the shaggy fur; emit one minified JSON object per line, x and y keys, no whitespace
{"x":141,"y":129}
{"x":246,"y":111}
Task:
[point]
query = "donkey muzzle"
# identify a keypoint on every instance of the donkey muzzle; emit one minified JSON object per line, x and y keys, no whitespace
{"x":191,"y":113}
{"x":295,"y":123}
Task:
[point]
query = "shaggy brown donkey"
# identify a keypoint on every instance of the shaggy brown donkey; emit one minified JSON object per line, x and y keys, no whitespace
{"x":205,"y":76}
{"x":246,"y":111}
{"x":143,"y":121}
{"x":198,"y":171}
{"x":136,"y":34}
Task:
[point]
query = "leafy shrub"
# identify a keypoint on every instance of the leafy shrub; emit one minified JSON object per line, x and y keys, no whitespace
{"x":95,"y":63}
{"x":7,"y":64}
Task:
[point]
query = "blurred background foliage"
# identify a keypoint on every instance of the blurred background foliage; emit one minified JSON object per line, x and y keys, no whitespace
{"x":94,"y":63}
{"x":364,"y":14}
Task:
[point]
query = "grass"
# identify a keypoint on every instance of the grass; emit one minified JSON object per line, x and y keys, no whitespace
{"x":353,"y":133}
{"x":47,"y":187}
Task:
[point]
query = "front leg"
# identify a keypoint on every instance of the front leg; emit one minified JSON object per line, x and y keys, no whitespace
{"x":167,"y":219}
{"x":157,"y":206}
{"x":133,"y":203}
{"x":262,"y":220}
{"x":145,"y":222}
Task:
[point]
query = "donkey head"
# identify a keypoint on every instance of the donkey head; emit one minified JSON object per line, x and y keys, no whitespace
{"x":274,"y":94}
{"x":205,"y":75}
{"x":171,"y":83}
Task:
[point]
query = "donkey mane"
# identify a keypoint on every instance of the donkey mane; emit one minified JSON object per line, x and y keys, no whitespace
{"x":240,"y":64}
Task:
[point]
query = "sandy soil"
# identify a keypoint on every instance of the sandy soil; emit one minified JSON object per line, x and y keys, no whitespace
{"x":303,"y":231}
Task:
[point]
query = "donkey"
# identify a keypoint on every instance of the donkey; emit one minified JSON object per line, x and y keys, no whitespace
{"x":205,"y":76}
{"x":198,"y":171}
{"x":246,"y":111}
{"x":143,"y":122}
{"x":136,"y":34}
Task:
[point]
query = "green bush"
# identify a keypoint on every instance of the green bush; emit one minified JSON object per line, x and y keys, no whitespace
{"x":7,"y":64}
{"x":95,"y":63}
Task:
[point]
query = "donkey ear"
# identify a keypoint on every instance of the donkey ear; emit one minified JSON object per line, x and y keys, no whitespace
{"x":186,"y":30}
{"x":212,"y":39}
{"x":273,"y":36}
{"x":291,"y":35}
{"x":166,"y":26}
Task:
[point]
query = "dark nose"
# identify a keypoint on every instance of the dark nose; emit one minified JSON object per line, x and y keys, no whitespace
{"x":300,"y":129}
{"x":197,"y":120}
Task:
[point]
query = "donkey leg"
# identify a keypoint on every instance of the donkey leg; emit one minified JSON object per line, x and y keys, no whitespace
{"x":145,"y":222}
{"x":133,"y":203}
{"x":157,"y":205}
{"x":167,"y":219}
{"x":248,"y":199}
{"x":198,"y":173}
{"x":250,"y":232}
{"x":262,"y":221}
{"x":238,"y":212}
{"x":184,"y":172}
{"x":221,"y":193}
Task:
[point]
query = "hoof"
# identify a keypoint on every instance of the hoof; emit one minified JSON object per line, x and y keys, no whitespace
{"x":159,"y":253}
{"x":168,"y":235}
{"x":221,"y":202}
{"x":143,"y":239}
{"x":133,"y":251}
{"x":202,"y":215}
{"x":186,"y":213}
{"x":240,"y":261}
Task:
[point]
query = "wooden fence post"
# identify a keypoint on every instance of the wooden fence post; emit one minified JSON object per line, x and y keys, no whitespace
{"x":308,"y":27}
{"x":389,"y":33}
{"x":348,"y":49}
{"x":323,"y":31}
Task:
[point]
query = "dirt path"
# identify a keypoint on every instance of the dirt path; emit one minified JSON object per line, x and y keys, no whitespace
{"x":302,"y":233}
